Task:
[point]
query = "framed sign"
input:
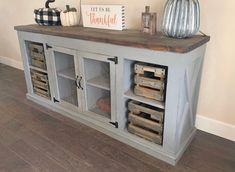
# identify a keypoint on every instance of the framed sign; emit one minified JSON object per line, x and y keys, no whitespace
{"x":104,"y":16}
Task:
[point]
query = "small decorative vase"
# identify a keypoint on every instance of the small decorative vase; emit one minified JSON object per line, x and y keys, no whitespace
{"x":181,"y":18}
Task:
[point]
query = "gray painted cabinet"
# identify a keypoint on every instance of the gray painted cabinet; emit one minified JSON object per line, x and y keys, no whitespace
{"x":81,"y":72}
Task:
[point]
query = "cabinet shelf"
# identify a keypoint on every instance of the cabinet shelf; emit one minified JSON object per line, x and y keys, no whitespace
{"x":71,"y":99}
{"x":97,"y":111}
{"x":100,"y":82}
{"x":130,"y":95}
{"x":68,"y":73}
{"x":38,"y":69}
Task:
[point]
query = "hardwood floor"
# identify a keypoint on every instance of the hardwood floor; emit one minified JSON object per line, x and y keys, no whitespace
{"x":33,"y":138}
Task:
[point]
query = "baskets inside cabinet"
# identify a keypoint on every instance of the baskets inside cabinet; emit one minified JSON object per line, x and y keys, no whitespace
{"x":150,"y":81}
{"x":145,"y":121}
{"x":37,"y":55}
{"x":40,"y":83}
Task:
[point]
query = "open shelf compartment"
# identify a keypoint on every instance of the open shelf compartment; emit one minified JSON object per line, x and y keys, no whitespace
{"x":129,"y":84}
{"x":140,"y":116}
{"x":131,"y":95}
{"x":36,"y":56}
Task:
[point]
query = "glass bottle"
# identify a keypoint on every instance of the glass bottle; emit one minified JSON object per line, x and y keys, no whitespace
{"x":146,"y":16}
{"x":149,"y":21}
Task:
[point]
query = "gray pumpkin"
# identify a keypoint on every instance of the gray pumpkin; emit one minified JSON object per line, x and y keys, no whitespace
{"x":181,"y":18}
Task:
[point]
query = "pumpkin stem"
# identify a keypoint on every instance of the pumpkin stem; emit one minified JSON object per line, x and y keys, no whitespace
{"x":73,"y":9}
{"x":68,"y":8}
{"x":48,"y":2}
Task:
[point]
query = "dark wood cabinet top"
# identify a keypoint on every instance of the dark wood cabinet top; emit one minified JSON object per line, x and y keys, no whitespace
{"x":131,"y":38}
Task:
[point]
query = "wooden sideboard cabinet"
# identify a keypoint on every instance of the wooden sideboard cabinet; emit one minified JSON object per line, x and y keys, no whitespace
{"x":139,"y":89}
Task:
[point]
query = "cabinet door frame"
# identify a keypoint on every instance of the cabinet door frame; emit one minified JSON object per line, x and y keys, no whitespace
{"x":56,"y":94}
{"x":103,"y":58}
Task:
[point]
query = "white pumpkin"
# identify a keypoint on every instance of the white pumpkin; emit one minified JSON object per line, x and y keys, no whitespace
{"x":69,"y":17}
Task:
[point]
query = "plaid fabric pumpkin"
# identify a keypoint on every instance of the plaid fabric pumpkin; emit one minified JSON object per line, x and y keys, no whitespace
{"x":47,"y":16}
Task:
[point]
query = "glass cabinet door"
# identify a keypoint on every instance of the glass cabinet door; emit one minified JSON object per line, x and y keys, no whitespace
{"x":99,"y":83}
{"x":66,"y":77}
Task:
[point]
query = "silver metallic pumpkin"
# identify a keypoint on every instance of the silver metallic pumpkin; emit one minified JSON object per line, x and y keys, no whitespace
{"x":181,"y":18}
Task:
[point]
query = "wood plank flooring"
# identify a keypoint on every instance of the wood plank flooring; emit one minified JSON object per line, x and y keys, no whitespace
{"x":35,"y":139}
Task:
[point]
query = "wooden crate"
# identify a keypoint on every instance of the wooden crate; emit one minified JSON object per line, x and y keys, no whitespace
{"x":148,"y":135}
{"x":141,"y":80}
{"x":154,"y":113}
{"x":37,"y":51}
{"x":38,"y":63}
{"x":39,"y":76}
{"x":149,"y":93}
{"x":142,"y":121}
{"x":40,"y":84}
{"x":42,"y":58}
{"x":37,"y":55}
{"x":42,"y":92}
{"x":142,"y":68}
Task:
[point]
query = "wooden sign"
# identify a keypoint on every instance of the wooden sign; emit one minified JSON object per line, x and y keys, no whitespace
{"x":103,"y":16}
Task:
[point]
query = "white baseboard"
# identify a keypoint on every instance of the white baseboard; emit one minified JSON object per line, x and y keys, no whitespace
{"x":215,"y":127}
{"x":208,"y":125}
{"x":11,"y":62}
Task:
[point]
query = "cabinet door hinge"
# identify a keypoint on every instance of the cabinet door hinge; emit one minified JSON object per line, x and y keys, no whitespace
{"x":114,"y":123}
{"x":48,"y":46}
{"x":55,"y":100}
{"x":114,"y":59}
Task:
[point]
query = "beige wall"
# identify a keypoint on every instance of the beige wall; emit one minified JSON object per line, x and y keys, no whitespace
{"x":217,"y":95}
